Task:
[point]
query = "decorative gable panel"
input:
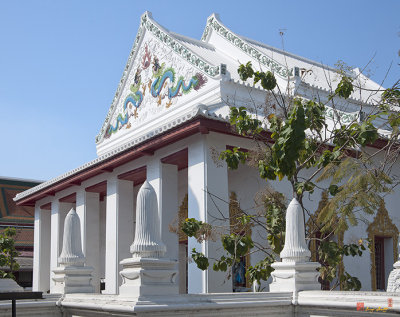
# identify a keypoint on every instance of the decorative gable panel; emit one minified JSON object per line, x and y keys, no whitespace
{"x":158,"y":80}
{"x":161,"y":72}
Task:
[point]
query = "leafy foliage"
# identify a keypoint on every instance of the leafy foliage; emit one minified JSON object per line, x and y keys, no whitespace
{"x":297,"y":145}
{"x":8,"y":253}
{"x":267,"y":79}
{"x":234,"y":157}
{"x":237,"y":245}
{"x":261,"y":270}
{"x":345,"y":87}
{"x":200,"y":259}
{"x":275,"y":220}
{"x":195,"y":228}
{"x":331,"y":255}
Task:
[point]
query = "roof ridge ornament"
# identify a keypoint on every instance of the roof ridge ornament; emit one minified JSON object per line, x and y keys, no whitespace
{"x":213,"y":22}
{"x":161,"y":33}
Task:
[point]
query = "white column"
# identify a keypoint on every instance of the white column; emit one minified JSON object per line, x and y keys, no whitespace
{"x":164,"y":180}
{"x":41,"y":251}
{"x":88,"y":210}
{"x":153,"y":175}
{"x":119,"y":230}
{"x":207,"y":201}
{"x":55,"y":238}
{"x":102,"y":238}
{"x":58,"y":213}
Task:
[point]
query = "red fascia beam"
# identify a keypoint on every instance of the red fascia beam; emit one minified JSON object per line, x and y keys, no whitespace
{"x":100,"y":188}
{"x":107,"y":169}
{"x":137,"y":176}
{"x":46,"y":206}
{"x":179,"y":159}
{"x":68,"y":199}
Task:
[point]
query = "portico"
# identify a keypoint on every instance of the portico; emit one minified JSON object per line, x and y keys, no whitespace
{"x":104,"y":200}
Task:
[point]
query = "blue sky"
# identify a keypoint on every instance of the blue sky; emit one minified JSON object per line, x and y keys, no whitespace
{"x":61,"y":61}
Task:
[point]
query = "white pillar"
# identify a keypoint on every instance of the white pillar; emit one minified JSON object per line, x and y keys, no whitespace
{"x":41,"y":251}
{"x":164,"y":180}
{"x":102,"y":238}
{"x":153,"y":176}
{"x":208,"y":198}
{"x":119,"y":230}
{"x":58,"y":213}
{"x":88,"y":210}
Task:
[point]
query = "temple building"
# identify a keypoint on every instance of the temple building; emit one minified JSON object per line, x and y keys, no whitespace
{"x":167,"y":124}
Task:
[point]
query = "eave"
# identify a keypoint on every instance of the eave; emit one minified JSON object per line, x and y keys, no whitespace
{"x":197,"y":125}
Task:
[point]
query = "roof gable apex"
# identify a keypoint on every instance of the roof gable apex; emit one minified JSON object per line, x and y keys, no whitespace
{"x":214,"y":24}
{"x":169,"y":39}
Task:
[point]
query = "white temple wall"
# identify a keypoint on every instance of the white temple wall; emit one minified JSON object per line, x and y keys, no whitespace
{"x":359,"y":266}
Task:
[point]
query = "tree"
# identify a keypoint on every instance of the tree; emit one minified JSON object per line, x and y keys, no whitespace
{"x":294,"y":139}
{"x":8,"y":253}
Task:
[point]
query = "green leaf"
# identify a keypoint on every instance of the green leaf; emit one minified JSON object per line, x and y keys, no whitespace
{"x":245,"y":71}
{"x":234,"y":157}
{"x":333,"y":189}
{"x":237,"y":245}
{"x":345,"y":87}
{"x":200,"y":259}
{"x":191,"y":226}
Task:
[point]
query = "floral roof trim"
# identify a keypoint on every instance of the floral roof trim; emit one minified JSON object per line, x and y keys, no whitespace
{"x":146,"y":23}
{"x":275,"y":67}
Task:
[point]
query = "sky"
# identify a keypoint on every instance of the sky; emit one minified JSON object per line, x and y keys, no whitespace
{"x":61,"y":61}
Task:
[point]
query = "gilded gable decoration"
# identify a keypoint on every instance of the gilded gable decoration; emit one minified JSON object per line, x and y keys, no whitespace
{"x":382,"y":226}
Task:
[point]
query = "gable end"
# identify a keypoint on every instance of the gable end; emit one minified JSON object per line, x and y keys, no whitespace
{"x":214,"y":24}
{"x":146,"y":23}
